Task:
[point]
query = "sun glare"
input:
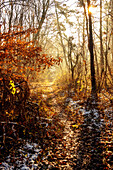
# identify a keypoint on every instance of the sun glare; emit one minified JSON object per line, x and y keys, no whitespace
{"x":91,"y":9}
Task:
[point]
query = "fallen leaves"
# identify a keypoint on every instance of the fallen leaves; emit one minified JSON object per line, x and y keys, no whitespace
{"x":69,"y":139}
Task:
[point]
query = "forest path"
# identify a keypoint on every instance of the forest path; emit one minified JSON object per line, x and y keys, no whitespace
{"x":81,"y":145}
{"x":71,"y":138}
{"x":63,"y":151}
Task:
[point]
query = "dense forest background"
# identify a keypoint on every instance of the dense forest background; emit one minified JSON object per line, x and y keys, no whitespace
{"x":63,"y":30}
{"x":56,"y":57}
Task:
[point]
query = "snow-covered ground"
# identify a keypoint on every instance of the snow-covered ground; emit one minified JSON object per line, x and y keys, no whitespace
{"x":92,"y":114}
{"x":25,"y":159}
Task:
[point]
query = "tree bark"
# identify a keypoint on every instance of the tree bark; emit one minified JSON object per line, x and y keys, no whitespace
{"x":101,"y":43}
{"x":44,"y":13}
{"x":112,"y":31}
{"x":11,"y":16}
{"x":0,"y":18}
{"x":90,"y":46}
{"x":58,"y":25}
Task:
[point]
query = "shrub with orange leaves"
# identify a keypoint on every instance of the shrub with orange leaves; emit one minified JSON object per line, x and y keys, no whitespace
{"x":20,"y":55}
{"x":19,"y":58}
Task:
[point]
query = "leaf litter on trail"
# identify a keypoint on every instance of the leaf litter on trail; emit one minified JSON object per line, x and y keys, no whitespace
{"x":71,"y":137}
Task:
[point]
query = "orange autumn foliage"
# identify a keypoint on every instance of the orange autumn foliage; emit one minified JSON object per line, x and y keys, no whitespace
{"x":19,"y":54}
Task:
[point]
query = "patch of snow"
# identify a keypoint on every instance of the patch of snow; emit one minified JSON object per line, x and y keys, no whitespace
{"x":25,"y":168}
{"x":8,"y":160}
{"x":68,"y":100}
{"x":44,"y":124}
{"x":33,"y":157}
{"x":28,"y":146}
{"x":35,"y":166}
{"x":37,"y":150}
{"x":96,"y":114}
{"x":35,"y":145}
{"x":26,"y":154}
{"x":21,"y":151}
{"x":5,"y":165}
{"x":85,"y":113}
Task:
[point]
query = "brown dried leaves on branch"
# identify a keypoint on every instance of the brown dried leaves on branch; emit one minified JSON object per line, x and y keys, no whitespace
{"x":18,"y":52}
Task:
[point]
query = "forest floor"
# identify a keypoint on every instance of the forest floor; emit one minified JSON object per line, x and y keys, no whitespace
{"x":74,"y":134}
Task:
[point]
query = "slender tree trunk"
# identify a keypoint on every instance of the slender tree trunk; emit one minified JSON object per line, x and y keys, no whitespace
{"x":0,"y":31}
{"x":112,"y":33}
{"x":101,"y":43}
{"x":71,"y":67}
{"x":58,"y":25}
{"x":0,"y":18}
{"x":83,"y":54}
{"x":85,"y":59}
{"x":11,"y":16}
{"x":44,"y":12}
{"x":21,"y":19}
{"x":96,"y":63}
{"x":106,"y":52}
{"x":90,"y":45}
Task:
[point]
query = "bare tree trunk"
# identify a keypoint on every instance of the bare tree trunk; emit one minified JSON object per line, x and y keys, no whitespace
{"x":101,"y":43}
{"x":58,"y":25}
{"x":83,"y":53}
{"x":0,"y":31}
{"x":112,"y":33}
{"x":96,"y":63}
{"x":90,"y":45}
{"x":0,"y":18}
{"x":44,"y":12}
{"x":106,"y":53}
{"x":21,"y":19}
{"x":11,"y":16}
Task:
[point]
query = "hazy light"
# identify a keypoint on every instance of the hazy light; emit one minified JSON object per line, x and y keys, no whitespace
{"x":92,"y":9}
